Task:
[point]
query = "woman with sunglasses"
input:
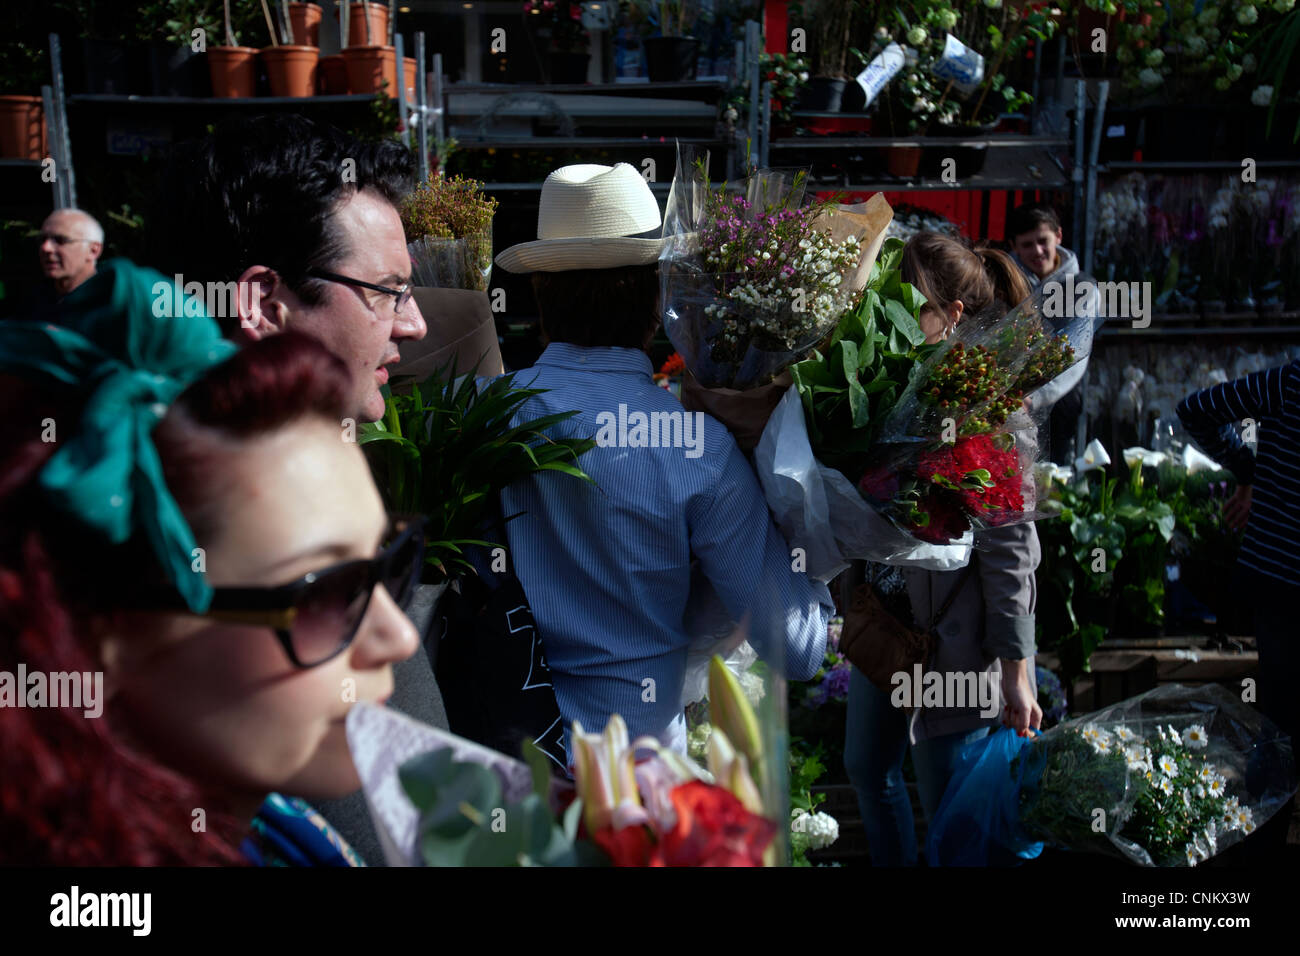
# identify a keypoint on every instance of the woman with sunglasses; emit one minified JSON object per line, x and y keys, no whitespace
{"x":192,"y":523}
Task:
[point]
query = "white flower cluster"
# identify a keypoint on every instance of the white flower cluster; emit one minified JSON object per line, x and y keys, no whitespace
{"x":771,"y":304}
{"x":819,"y":829}
{"x":1262,"y":96}
{"x":1134,"y":395}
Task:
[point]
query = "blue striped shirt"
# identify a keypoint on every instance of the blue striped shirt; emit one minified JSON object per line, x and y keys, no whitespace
{"x":607,"y":567}
{"x":1272,"y":399}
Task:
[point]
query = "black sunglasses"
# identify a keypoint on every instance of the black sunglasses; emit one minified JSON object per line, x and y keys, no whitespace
{"x":402,"y":293}
{"x":316,"y":617}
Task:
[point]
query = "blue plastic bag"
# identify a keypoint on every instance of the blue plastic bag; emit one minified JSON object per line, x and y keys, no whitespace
{"x":977,"y":822}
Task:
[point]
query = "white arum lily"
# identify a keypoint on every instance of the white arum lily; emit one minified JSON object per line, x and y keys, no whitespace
{"x":1144,"y":456}
{"x":605,"y":774}
{"x":1048,"y":472}
{"x":1195,"y":460}
{"x":1093,"y":457}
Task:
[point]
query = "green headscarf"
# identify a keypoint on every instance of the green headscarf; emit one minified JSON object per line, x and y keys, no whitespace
{"x":131,"y":363}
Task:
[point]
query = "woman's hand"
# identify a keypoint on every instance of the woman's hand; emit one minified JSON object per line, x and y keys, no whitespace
{"x":1021,"y":711}
{"x":1236,"y":510}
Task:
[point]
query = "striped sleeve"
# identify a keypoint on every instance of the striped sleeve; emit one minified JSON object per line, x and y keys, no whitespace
{"x":1210,"y":414}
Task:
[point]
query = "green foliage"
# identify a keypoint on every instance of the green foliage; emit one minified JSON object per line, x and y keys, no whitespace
{"x":1075,"y":781}
{"x":849,"y":385}
{"x":806,"y":768}
{"x":465,"y":822}
{"x":1104,"y":556}
{"x":445,"y":449}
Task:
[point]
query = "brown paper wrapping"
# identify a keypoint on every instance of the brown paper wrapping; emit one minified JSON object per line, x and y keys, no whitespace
{"x":866,"y":220}
{"x":461,"y":326}
{"x":745,"y":413}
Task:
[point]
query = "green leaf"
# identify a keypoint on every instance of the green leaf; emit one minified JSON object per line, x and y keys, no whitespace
{"x":904,"y":322}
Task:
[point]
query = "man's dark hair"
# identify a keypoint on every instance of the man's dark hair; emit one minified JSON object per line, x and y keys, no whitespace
{"x":1030,"y":216}
{"x":262,"y":190}
{"x":599,"y":307}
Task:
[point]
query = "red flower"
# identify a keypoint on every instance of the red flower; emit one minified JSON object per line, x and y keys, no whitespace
{"x":947,"y":522}
{"x":880,"y":483}
{"x":674,"y":365}
{"x":713,"y":829}
{"x":630,"y":846}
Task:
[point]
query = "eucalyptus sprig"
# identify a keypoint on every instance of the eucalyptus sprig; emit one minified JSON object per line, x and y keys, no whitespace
{"x":448,"y":447}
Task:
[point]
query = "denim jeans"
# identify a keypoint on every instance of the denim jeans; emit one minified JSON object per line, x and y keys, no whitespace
{"x":875,"y":743}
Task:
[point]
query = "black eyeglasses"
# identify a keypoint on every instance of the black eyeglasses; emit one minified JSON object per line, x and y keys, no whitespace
{"x":59,"y":240}
{"x":402,"y":293}
{"x":316,"y":617}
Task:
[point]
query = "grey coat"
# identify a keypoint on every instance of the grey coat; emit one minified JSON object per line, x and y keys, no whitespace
{"x":992,"y":617}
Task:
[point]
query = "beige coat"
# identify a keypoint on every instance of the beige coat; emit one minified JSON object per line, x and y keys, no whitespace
{"x":991,"y":618}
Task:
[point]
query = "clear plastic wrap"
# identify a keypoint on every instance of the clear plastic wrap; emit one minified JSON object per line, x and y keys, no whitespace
{"x":751,"y":280}
{"x":1169,"y":778}
{"x":821,"y":512}
{"x":954,"y":453}
{"x":444,"y":263}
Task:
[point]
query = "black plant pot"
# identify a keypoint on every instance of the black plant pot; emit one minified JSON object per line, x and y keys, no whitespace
{"x":969,"y":160}
{"x":179,"y":71}
{"x":107,"y":64}
{"x":671,"y":59}
{"x":568,"y":67}
{"x":824,"y":94}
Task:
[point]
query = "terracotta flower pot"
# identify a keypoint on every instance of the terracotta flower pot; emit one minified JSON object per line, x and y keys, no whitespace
{"x":357,"y":14}
{"x":332,"y":75}
{"x":370,"y":67}
{"x":233,"y":70}
{"x":304,"y":23}
{"x":903,"y":161}
{"x":292,"y":69}
{"x":22,"y":127}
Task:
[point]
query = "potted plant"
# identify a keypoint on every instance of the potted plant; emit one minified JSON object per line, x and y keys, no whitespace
{"x":304,"y":23}
{"x":445,"y":450}
{"x":556,"y":27}
{"x":22,"y":116}
{"x":788,"y":74}
{"x":233,"y":68}
{"x":291,"y":67}
{"x":671,"y":53}
{"x":450,"y":212}
{"x":370,"y":60}
{"x":830,"y":29}
{"x":167,"y":25}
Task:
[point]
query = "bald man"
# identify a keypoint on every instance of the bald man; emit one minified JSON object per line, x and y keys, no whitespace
{"x":71,"y":242}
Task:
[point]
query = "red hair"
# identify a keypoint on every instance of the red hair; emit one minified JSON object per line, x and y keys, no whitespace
{"x":72,"y":793}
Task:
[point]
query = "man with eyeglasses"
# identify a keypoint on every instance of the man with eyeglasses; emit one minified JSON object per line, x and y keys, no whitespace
{"x":71,"y":243}
{"x":305,"y":220}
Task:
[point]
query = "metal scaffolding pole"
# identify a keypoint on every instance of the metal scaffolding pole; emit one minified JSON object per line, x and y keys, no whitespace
{"x":421,"y":100}
{"x":56,"y":113}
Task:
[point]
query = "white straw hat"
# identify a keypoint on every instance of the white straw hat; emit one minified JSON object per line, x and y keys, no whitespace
{"x":591,"y":217}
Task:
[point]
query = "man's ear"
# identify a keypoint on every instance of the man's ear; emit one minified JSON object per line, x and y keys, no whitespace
{"x":95,"y":249}
{"x":258,"y":302}
{"x":1058,"y":235}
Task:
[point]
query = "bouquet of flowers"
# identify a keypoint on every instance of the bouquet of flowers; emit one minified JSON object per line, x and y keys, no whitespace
{"x":890,"y":449}
{"x":751,"y":278}
{"x":1168,"y":778}
{"x":448,"y":222}
{"x":440,"y":800}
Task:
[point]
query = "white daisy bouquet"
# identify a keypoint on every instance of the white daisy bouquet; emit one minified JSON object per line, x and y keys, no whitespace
{"x":1169,"y":778}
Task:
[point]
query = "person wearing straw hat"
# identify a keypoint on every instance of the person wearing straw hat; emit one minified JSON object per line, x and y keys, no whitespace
{"x":619,"y":570}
